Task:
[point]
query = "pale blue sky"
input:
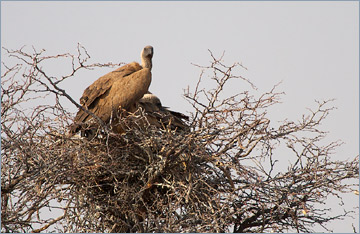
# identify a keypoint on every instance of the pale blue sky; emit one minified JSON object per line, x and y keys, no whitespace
{"x":312,"y":47}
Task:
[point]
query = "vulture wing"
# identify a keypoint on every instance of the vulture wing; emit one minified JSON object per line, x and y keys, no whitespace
{"x":104,"y":83}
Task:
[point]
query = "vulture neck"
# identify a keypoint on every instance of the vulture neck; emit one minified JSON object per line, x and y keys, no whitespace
{"x":146,"y":62}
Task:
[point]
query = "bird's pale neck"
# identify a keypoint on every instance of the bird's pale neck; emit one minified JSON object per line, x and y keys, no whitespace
{"x":146,"y":62}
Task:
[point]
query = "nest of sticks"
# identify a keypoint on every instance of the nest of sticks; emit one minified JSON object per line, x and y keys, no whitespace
{"x":123,"y":179}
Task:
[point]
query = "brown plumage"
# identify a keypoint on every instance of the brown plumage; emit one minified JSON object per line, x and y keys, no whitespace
{"x":115,"y":91}
{"x":161,"y":116}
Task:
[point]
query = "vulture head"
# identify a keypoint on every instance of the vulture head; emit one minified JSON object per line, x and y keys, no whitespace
{"x":146,"y":56}
{"x":151,"y":98}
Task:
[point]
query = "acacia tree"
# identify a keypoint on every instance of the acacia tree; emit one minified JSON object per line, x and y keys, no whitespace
{"x":223,"y":175}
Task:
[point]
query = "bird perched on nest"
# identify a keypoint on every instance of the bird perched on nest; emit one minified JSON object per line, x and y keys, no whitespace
{"x":122,"y":91}
{"x":160,"y":116}
{"x":113,"y":92}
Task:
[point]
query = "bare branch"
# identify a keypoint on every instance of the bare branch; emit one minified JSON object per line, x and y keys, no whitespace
{"x":223,"y":175}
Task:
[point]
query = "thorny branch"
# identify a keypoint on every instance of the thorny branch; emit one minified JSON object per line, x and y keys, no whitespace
{"x":221,"y":176}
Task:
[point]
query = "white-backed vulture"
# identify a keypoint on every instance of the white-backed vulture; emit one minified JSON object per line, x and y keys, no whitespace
{"x":118,"y":90}
{"x":160,"y":116}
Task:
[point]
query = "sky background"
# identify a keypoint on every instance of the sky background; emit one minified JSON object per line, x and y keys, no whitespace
{"x":311,"y":47}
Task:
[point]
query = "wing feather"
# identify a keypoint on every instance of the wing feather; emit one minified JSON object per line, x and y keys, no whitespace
{"x":104,"y":83}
